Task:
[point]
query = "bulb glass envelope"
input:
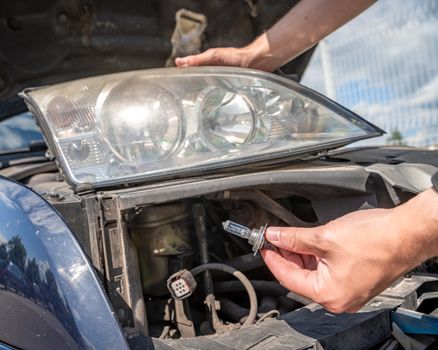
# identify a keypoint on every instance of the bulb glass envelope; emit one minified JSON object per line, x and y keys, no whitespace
{"x":163,"y":123}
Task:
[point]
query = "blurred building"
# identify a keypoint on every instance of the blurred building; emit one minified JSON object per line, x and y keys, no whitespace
{"x":384,"y":66}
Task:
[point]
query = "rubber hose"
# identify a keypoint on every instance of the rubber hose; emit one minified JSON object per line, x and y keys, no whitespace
{"x":237,"y":313}
{"x":246,"y":262}
{"x":265,"y":287}
{"x":242,"y":278}
{"x":233,"y":311}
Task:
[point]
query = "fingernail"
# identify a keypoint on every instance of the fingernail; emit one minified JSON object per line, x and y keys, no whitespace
{"x":273,"y":234}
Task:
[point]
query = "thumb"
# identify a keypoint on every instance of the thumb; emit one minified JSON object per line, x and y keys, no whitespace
{"x":296,"y":239}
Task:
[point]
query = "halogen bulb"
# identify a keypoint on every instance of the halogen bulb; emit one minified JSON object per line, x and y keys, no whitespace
{"x":227,"y":119}
{"x":140,"y":122}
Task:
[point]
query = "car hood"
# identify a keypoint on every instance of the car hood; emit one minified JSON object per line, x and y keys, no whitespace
{"x":51,"y":41}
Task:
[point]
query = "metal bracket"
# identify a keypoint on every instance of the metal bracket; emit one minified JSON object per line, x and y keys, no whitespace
{"x":122,"y":272}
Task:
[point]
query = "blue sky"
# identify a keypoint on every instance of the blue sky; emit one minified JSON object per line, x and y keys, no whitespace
{"x":384,"y":66}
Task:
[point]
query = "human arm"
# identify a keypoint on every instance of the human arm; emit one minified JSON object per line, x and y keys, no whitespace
{"x":346,"y":262}
{"x":301,"y":28}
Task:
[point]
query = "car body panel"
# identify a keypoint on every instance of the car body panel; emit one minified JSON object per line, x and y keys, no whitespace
{"x":50,"y":296}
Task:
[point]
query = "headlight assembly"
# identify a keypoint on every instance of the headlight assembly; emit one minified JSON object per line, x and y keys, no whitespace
{"x":161,"y":123}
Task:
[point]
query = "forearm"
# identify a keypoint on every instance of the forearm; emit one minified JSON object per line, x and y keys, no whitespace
{"x":418,"y":222}
{"x":300,"y":29}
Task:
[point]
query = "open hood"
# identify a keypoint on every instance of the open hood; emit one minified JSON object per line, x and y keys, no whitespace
{"x":52,"y":41}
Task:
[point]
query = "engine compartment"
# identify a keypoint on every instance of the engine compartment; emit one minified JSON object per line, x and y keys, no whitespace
{"x":185,"y":234}
{"x":139,"y":237}
{"x":188,"y":234}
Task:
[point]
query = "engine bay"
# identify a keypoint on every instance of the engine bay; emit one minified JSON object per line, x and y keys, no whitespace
{"x":175,"y":278}
{"x":188,"y":235}
{"x":170,"y":269}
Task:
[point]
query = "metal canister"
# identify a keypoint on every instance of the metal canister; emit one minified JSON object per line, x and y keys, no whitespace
{"x":161,"y":236}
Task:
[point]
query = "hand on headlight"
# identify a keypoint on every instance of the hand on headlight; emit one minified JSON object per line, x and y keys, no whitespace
{"x":245,"y":57}
{"x":226,"y":56}
{"x":301,"y":28}
{"x":346,"y":262}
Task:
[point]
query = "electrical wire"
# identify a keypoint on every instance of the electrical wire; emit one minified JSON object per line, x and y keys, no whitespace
{"x":242,"y":278}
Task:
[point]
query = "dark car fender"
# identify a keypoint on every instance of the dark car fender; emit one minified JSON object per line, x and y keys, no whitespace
{"x":50,"y":297}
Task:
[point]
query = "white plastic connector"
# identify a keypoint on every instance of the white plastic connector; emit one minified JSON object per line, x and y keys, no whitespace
{"x":181,"y":284}
{"x":180,"y":288}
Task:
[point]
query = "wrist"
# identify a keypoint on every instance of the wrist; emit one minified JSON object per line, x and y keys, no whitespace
{"x":259,"y":55}
{"x":418,"y":219}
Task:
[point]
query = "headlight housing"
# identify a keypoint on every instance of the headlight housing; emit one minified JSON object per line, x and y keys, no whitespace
{"x":161,"y":123}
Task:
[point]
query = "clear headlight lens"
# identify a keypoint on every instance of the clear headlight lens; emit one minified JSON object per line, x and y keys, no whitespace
{"x":148,"y":127}
{"x":159,"y":123}
{"x":227,"y":118}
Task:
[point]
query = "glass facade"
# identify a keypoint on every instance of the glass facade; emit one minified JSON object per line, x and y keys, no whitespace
{"x":384,"y":66}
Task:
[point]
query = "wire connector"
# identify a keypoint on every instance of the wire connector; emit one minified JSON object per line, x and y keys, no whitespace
{"x":181,"y":284}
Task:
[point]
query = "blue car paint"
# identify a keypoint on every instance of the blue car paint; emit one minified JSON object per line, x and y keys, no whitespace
{"x":5,"y":347}
{"x":50,"y":297}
